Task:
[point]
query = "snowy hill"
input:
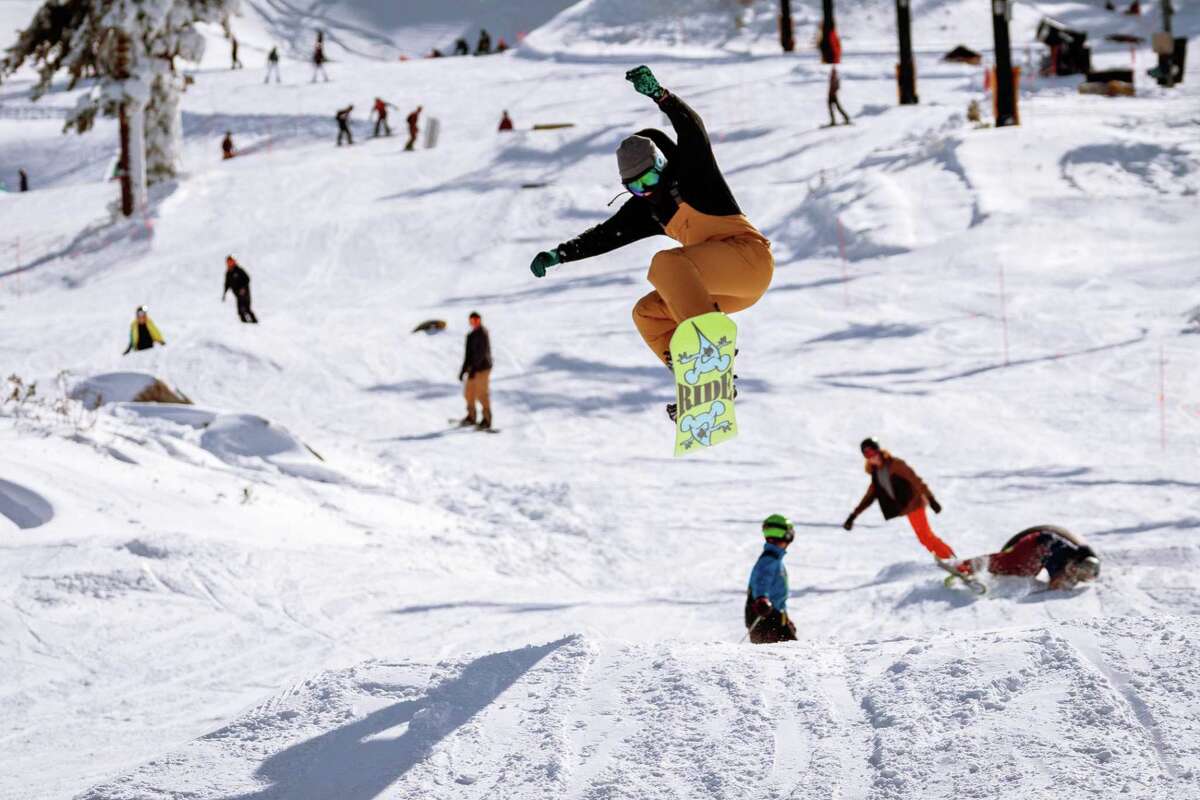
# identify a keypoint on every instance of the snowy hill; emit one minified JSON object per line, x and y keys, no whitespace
{"x":309,"y":585}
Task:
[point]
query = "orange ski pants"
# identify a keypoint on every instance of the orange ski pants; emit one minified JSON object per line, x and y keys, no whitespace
{"x":926,"y":536}
{"x":727,"y":275}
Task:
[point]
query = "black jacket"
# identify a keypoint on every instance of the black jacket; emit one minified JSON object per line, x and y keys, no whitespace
{"x":691,"y":176}
{"x":479,"y":352}
{"x":236,"y":281}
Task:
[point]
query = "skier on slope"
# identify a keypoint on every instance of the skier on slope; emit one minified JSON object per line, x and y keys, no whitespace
{"x":412,"y":120}
{"x":724,"y":263}
{"x":900,"y":492}
{"x":380,"y":110}
{"x":1066,"y":557}
{"x":237,"y":280}
{"x":143,"y":333}
{"x":767,"y":594}
{"x":343,"y":121}
{"x":476,"y":372}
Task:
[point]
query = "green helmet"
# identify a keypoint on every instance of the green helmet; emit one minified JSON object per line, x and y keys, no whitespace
{"x":777,"y":526}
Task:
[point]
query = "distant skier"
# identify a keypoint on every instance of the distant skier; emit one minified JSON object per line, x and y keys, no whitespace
{"x":227,"y":150}
{"x":835,"y":83}
{"x":22,"y":181}
{"x":461,"y":48}
{"x":1066,"y":557}
{"x":413,"y":130}
{"x":484,"y":46}
{"x":381,"y":117}
{"x":477,"y":371}
{"x":501,"y":45}
{"x":272,"y":65}
{"x":724,"y":264}
{"x":143,"y":333}
{"x":767,"y":595}
{"x":900,"y":492}
{"x":506,"y":123}
{"x":318,"y":59}
{"x":233,"y":53}
{"x":343,"y":121}
{"x":237,"y":280}
{"x":435,"y":53}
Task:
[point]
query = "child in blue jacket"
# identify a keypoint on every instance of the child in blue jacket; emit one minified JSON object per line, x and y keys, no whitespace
{"x":766,"y":598}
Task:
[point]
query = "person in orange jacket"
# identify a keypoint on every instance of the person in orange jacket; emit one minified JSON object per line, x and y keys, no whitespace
{"x":899,"y":491}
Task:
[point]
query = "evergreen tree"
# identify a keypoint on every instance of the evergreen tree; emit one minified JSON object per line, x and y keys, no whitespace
{"x":129,"y":47}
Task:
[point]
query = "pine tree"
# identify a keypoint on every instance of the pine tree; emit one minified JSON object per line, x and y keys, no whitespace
{"x":129,"y":48}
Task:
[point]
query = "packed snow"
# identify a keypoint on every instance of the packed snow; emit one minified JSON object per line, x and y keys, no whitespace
{"x":307,"y":582}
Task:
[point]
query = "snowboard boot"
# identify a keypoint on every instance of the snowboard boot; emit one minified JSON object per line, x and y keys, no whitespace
{"x":466,"y":421}
{"x":485,"y":424}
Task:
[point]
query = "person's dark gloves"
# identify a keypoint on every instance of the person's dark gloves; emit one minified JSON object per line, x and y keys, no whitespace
{"x":544,"y":261}
{"x":644,"y":82}
{"x":849,"y":523}
{"x":763,"y":607}
{"x":935,"y":505}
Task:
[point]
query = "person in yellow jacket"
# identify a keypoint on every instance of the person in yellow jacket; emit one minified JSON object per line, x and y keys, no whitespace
{"x":143,"y":333}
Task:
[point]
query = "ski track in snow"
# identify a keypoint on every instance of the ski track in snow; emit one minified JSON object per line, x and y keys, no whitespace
{"x":194,"y":603}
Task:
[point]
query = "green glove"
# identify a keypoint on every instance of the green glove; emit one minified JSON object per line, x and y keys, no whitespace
{"x":644,"y":82}
{"x":544,"y":261}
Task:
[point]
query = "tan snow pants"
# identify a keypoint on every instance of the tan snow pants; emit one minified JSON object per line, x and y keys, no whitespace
{"x":475,"y":390}
{"x":724,"y":264}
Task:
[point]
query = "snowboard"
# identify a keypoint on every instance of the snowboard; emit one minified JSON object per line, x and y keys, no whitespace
{"x":702,"y":351}
{"x":970,"y":581}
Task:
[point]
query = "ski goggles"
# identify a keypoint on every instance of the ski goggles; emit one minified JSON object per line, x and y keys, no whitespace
{"x":645,"y":183}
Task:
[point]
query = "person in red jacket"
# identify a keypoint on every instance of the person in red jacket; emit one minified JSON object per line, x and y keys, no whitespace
{"x":899,"y":491}
{"x":506,"y":123}
{"x":1066,"y":557}
{"x":412,"y":128}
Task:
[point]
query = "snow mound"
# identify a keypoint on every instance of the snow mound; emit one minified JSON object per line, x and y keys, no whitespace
{"x":24,"y":507}
{"x":580,"y":718}
{"x":243,"y":440}
{"x":125,"y":387}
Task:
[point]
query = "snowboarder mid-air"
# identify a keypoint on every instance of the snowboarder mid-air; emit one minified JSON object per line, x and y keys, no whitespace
{"x":900,"y":492}
{"x":475,"y":373}
{"x":724,"y":263}
{"x":143,"y":333}
{"x":1067,"y":558}
{"x":767,"y":595}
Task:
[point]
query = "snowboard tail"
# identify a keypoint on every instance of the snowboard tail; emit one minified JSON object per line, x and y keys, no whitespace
{"x":702,"y":352}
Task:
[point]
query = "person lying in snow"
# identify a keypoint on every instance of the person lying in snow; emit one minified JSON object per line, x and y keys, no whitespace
{"x":1066,"y":557}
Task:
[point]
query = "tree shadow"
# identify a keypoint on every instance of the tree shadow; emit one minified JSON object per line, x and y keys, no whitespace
{"x":544,"y":289}
{"x":354,"y":762}
{"x":883,"y":330}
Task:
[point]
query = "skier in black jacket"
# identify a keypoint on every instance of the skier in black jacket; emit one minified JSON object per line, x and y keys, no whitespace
{"x":724,"y":263}
{"x":477,"y":370}
{"x":237,"y":280}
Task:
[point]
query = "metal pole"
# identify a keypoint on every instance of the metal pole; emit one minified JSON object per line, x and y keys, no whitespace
{"x":906,"y":74}
{"x":1006,"y":97}
{"x":787,"y":37}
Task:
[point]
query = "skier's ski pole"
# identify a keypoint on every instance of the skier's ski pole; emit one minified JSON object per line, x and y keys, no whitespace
{"x":750,"y":630}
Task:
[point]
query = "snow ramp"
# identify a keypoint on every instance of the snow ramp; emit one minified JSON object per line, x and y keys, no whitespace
{"x":980,"y":715}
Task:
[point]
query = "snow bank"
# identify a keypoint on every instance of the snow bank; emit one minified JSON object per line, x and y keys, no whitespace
{"x":24,"y":507}
{"x":124,"y":387}
{"x":584,"y":718}
{"x":243,"y":440}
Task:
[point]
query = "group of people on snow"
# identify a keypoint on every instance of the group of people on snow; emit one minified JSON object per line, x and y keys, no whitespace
{"x":144,"y":334}
{"x":379,"y":111}
{"x":482,"y":48}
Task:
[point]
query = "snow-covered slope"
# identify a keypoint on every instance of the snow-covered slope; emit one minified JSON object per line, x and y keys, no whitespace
{"x":196,"y":604}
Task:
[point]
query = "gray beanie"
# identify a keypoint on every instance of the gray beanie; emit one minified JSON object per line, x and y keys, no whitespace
{"x":635,"y":155}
